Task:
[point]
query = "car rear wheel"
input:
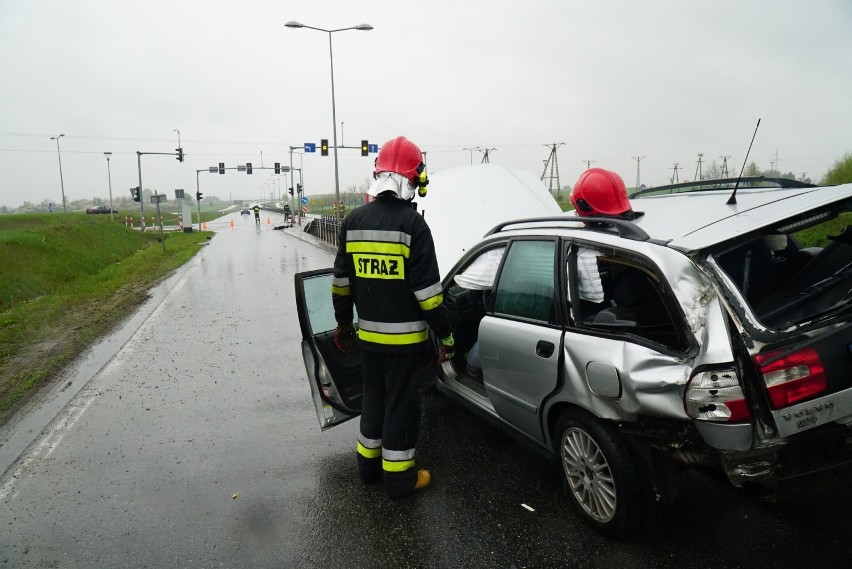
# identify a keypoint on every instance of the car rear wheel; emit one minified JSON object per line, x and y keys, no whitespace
{"x":600,"y":475}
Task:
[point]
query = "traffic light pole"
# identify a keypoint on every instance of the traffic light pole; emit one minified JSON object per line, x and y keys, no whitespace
{"x":179,"y":154}
{"x":141,"y":201}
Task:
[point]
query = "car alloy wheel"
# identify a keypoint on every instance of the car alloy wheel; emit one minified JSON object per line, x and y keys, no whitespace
{"x":588,"y":475}
{"x":600,"y":475}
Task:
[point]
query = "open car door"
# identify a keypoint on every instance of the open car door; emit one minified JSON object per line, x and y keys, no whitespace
{"x":334,"y":376}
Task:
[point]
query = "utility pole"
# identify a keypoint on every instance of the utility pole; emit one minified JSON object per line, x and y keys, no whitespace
{"x":588,"y":163}
{"x":638,"y":159}
{"x":698,"y":174}
{"x":485,"y":152}
{"x":471,"y":153}
{"x":554,"y":167}
{"x":674,"y":179}
{"x":725,"y":165}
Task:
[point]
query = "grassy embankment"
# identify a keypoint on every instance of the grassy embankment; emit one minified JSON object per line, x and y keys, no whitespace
{"x":65,"y":280}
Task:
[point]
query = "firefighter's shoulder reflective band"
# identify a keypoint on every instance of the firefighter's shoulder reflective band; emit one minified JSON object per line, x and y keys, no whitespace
{"x":430,"y":297}
{"x":369,"y":452}
{"x":376,"y":247}
{"x":379,"y":235}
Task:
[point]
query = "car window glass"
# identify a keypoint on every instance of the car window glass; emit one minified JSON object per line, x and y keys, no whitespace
{"x":631,"y":301}
{"x":318,"y":303}
{"x":789,"y":275}
{"x":526,"y":284}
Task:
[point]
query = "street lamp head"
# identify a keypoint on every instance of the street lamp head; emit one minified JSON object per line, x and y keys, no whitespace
{"x":364,"y":27}
{"x":56,"y":137}
{"x":294,"y":24}
{"x":107,"y":154}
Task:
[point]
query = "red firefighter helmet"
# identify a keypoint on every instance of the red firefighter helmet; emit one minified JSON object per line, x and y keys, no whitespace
{"x":600,"y":192}
{"x":402,"y":156}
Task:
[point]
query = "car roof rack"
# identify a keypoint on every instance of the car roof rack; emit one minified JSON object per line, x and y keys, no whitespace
{"x":722,"y":184}
{"x":626,"y":229}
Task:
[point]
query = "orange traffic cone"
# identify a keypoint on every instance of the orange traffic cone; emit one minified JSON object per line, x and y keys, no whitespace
{"x":204,"y":225}
{"x":232,"y":222}
{"x":268,"y":222}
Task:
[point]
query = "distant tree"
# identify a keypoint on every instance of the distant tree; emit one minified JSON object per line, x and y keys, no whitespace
{"x":840,"y":173}
{"x":711,"y":171}
{"x":752,"y":170}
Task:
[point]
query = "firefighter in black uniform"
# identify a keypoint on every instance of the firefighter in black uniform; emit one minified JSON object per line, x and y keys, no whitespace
{"x":386,"y":267}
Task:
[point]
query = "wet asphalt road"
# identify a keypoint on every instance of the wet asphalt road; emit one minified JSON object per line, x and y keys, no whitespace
{"x":196,"y":445}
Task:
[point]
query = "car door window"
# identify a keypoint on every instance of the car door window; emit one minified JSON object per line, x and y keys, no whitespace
{"x":526,"y":283}
{"x":632,"y":302}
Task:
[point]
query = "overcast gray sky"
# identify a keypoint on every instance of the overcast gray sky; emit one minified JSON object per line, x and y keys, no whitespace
{"x":612,"y":79}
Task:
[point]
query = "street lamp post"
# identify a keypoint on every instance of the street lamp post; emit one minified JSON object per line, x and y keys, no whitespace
{"x":360,"y":27}
{"x":109,"y":177}
{"x":61,"y":181}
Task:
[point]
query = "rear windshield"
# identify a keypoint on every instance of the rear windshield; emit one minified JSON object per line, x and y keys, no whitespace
{"x":797,"y":271}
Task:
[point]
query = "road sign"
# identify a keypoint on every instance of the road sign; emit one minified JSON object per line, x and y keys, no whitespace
{"x":179,"y":194}
{"x":304,"y":199}
{"x":373,"y":148}
{"x":310,"y":147}
{"x":158,"y":198}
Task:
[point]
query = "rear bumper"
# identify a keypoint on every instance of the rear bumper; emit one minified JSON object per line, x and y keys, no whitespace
{"x":812,"y":462}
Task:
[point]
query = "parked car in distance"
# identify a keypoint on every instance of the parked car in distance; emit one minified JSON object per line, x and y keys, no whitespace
{"x":100,"y":209}
{"x":724,"y":341}
{"x":245,"y":211}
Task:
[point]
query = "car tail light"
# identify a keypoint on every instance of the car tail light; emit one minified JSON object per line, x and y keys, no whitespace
{"x":791,"y":378}
{"x":716,"y":395}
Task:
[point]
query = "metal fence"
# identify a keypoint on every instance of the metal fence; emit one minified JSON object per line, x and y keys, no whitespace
{"x":326,"y":228}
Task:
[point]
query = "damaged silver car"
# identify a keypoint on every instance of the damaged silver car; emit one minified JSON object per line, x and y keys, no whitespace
{"x":723,"y":341}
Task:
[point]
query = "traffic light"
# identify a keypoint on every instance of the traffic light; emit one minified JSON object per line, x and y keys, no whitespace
{"x":291,"y":191}
{"x":248,"y":167}
{"x":278,"y":167}
{"x":135,"y":193}
{"x":221,"y":167}
{"x":365,"y":148}
{"x":299,"y":188}
{"x":324,"y":147}
{"x":179,"y":154}
{"x":199,"y":196}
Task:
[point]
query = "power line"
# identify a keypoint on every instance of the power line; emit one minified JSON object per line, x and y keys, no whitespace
{"x":588,"y":163}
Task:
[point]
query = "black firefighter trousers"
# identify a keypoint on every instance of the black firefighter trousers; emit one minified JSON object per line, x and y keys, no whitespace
{"x":390,"y":420}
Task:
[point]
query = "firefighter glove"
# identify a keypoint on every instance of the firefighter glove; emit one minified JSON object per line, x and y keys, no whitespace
{"x":344,"y":338}
{"x":446,"y":349}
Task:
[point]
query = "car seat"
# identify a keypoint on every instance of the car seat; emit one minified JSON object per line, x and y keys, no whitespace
{"x":633,"y":295}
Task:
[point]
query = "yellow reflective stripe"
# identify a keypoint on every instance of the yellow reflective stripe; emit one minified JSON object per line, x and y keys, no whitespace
{"x":377,"y":247}
{"x":341,"y":290}
{"x":396,"y":466}
{"x":393,"y":339}
{"x":432,"y":303}
{"x":369,"y":452}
